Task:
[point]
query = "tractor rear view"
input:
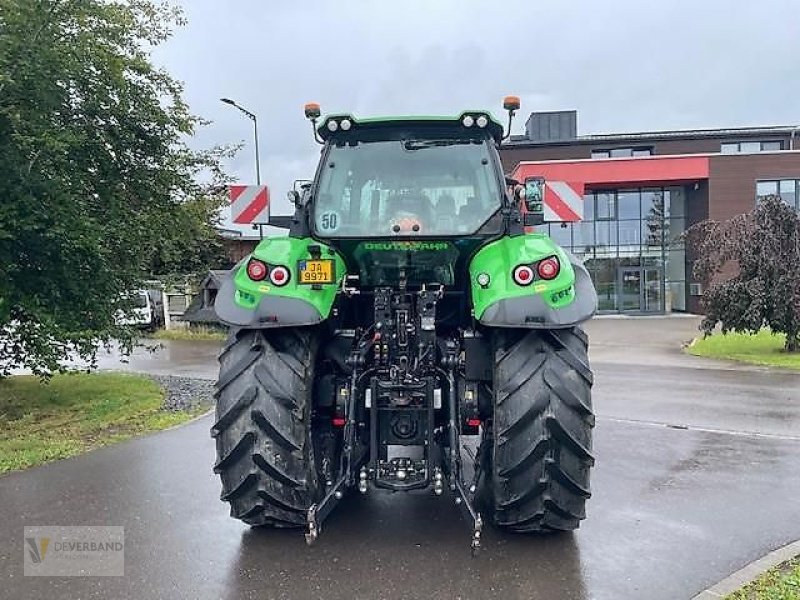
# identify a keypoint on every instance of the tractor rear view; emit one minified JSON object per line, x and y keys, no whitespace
{"x":408,"y":316}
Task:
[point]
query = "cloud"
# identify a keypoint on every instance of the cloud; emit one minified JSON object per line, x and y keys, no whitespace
{"x":624,"y":64}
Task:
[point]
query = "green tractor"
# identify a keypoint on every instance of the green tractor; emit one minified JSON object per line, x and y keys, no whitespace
{"x":409,"y":333}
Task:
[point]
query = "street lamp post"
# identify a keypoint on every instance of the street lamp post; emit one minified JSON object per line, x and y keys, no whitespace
{"x":254,"y":119}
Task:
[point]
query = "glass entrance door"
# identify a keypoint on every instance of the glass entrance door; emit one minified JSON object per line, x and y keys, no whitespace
{"x":641,"y":289}
{"x":652,"y":290}
{"x":630,"y":289}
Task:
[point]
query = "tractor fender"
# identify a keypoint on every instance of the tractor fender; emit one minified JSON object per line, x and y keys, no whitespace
{"x":271,"y":311}
{"x":242,"y":302}
{"x":561,"y":302}
{"x":534,"y":313}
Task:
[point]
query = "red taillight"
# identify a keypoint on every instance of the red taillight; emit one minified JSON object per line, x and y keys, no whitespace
{"x":523,"y":275}
{"x":279,"y":275}
{"x":548,"y":268}
{"x":256,"y":270}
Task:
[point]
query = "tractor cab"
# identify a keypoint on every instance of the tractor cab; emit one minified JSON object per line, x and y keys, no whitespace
{"x":408,"y":197}
{"x":406,"y":179}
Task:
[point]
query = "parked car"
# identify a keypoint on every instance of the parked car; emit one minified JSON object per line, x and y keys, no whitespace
{"x":145,"y":312}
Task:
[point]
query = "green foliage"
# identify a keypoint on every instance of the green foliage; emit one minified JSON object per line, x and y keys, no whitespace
{"x":761,"y":250}
{"x":762,"y":348}
{"x":192,"y":334}
{"x":98,"y":189}
{"x":780,"y":583}
{"x":193,"y":247}
{"x":74,"y":413}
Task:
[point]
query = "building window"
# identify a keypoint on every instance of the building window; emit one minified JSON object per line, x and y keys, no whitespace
{"x":561,"y":234}
{"x":606,"y":206}
{"x":628,"y":205}
{"x":626,"y":152}
{"x":630,"y":241}
{"x":787,"y":189}
{"x":750,"y":147}
{"x":766,"y":188}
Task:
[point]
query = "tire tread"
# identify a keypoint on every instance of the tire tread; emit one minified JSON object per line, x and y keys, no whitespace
{"x":263,"y":426}
{"x":541,"y":450}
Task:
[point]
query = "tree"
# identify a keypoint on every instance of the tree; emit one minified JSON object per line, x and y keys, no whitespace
{"x":656,"y":222}
{"x":194,"y":245}
{"x":762,"y":250}
{"x":97,"y":183}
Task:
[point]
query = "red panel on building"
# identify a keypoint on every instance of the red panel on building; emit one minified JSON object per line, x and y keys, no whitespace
{"x":617,"y":172}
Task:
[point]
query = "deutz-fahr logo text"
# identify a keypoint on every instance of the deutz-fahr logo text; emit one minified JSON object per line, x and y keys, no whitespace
{"x":409,"y":246}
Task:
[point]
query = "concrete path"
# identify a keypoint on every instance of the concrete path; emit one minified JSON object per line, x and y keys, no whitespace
{"x":697,"y":475}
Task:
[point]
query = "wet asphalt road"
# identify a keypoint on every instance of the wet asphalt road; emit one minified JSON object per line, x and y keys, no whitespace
{"x":697,"y":474}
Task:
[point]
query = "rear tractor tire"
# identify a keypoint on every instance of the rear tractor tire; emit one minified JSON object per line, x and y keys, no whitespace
{"x":265,"y":455}
{"x":540,"y":441}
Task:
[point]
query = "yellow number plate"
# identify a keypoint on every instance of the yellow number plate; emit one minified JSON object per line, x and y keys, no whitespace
{"x":316,"y":271}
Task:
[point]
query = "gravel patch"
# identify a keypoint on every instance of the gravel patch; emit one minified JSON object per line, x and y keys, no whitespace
{"x":185,"y":393}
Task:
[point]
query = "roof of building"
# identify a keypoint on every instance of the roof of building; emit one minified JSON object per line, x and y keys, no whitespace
{"x":727,"y":132}
{"x":198,"y":311}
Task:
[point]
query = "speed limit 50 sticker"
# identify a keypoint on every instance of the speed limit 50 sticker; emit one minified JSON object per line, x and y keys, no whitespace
{"x":329,"y":221}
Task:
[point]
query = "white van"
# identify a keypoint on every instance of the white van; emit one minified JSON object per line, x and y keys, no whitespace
{"x":142,"y":313}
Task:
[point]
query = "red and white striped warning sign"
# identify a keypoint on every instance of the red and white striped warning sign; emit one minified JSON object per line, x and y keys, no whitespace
{"x":249,"y":203}
{"x":563,"y":201}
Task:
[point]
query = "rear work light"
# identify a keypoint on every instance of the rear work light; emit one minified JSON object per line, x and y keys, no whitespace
{"x":256,"y":270}
{"x":548,"y":268}
{"x":279,"y":275}
{"x":523,"y":275}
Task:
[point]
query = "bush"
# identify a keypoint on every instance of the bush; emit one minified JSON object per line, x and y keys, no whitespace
{"x":763,"y":247}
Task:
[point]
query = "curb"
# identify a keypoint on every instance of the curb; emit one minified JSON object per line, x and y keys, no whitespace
{"x":210,"y":411}
{"x":673,"y":315}
{"x":750,"y":572}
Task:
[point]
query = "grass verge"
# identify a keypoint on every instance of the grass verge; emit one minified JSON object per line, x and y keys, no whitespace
{"x":780,"y":583}
{"x":763,"y":348}
{"x":73,"y":413}
{"x":201,"y":334}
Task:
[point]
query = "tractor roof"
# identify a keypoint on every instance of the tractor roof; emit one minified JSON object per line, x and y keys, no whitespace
{"x":412,"y":123}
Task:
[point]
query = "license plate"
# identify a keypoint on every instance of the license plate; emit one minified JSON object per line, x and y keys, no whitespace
{"x":316,"y":271}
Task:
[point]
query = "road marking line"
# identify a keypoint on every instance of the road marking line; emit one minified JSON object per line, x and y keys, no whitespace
{"x":774,"y":436}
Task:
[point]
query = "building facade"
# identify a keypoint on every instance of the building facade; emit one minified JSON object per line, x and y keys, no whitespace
{"x":641,"y":191}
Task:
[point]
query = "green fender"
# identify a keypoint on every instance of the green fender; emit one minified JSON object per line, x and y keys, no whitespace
{"x":565,"y":301}
{"x":242,"y":302}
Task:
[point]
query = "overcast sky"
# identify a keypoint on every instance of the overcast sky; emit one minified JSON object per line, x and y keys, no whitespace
{"x":625,"y":65}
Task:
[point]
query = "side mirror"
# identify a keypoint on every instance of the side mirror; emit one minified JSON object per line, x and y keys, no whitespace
{"x":533,"y":196}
